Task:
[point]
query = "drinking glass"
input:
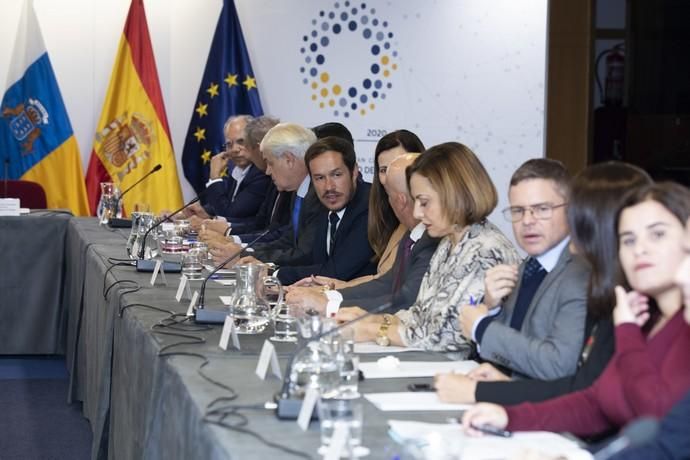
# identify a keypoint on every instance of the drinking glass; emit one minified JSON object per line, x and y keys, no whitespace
{"x":348,"y":364}
{"x":341,"y":412}
{"x":285,"y":318}
{"x":192,"y":264}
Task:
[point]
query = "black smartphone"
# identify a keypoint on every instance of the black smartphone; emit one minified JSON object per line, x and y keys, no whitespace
{"x":421,"y":387}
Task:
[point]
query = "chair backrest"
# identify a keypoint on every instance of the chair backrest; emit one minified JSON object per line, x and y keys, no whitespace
{"x":30,"y":194}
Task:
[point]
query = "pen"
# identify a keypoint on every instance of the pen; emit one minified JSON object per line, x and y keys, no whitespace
{"x":488,"y":429}
{"x":473,"y":301}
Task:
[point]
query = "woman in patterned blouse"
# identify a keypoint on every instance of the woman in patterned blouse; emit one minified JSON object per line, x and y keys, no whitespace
{"x":453,"y":196}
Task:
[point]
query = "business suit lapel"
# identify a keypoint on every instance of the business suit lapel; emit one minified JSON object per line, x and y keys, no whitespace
{"x":550,"y":278}
{"x":354,"y":208}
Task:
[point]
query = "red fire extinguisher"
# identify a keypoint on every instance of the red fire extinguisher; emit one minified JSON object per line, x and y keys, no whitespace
{"x":611,"y":95}
{"x":615,"y":71}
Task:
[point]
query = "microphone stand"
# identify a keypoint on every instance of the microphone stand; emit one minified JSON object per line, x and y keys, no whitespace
{"x":127,"y":223}
{"x":7,"y":176}
{"x":207,"y":316}
{"x":167,"y":218}
{"x":288,"y":407}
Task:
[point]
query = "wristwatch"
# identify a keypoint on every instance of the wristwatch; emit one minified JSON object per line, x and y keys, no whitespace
{"x":382,"y":336}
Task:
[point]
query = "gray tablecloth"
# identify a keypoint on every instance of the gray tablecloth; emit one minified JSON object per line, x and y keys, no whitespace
{"x":142,"y":405}
{"x":33,"y":303}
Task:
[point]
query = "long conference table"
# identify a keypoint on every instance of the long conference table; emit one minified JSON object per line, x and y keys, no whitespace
{"x":138,"y":376}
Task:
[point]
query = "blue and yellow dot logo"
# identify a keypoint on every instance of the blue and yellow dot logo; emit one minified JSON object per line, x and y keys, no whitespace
{"x":347,"y":98}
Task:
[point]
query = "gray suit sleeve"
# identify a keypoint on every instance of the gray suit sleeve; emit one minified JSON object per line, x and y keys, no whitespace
{"x":561,"y":312}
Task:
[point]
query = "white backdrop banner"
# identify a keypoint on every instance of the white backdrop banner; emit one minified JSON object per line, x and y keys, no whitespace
{"x":471,"y":71}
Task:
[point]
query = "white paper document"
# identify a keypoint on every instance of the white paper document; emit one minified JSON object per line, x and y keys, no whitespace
{"x":438,"y":440}
{"x":411,"y":401}
{"x":371,"y":347}
{"x":407,"y":369}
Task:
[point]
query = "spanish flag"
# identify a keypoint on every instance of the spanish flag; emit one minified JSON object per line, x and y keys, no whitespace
{"x":36,"y":138}
{"x":132,"y":134}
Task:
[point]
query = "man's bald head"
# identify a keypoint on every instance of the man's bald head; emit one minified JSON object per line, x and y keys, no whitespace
{"x":396,"y":180}
{"x":396,"y":186}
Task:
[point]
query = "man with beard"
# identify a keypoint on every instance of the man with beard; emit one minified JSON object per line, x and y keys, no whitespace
{"x":341,"y":248}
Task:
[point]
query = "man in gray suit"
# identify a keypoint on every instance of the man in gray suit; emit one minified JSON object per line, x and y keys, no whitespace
{"x":400,"y":284}
{"x":532,"y":318}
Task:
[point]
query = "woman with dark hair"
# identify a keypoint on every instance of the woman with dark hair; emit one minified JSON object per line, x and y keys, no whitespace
{"x":595,"y":197}
{"x":382,"y":221}
{"x":649,"y":371}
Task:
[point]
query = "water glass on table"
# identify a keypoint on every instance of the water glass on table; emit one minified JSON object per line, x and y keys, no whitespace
{"x":345,"y":413}
{"x":285,"y":328}
{"x":348,"y":364}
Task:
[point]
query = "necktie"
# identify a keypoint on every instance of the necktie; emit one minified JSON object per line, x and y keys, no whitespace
{"x":407,"y":244}
{"x":276,"y":203}
{"x":295,"y":214}
{"x":532,"y":276}
{"x":333,"y":227}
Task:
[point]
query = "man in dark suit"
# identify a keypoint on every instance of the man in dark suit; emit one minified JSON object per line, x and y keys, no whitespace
{"x":274,"y":211}
{"x":237,"y":195}
{"x":341,"y":247}
{"x":539,"y":328}
{"x":283,"y":149}
{"x":400,"y":284}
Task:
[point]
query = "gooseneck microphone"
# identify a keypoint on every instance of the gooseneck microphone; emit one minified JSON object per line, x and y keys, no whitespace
{"x":289,"y":407}
{"x":205,"y":316}
{"x":127,"y":223}
{"x":7,"y":176}
{"x":167,"y":218}
{"x":636,"y":433}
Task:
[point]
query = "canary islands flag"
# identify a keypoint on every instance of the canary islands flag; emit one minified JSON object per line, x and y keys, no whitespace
{"x":36,"y":138}
{"x":132,"y":135}
{"x":228,"y":88}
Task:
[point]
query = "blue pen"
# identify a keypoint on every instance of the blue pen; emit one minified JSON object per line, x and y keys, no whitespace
{"x":473,"y":301}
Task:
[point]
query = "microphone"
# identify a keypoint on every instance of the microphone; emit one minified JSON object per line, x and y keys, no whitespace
{"x":7,"y":176}
{"x":288,"y":407}
{"x":206,"y":316}
{"x":157,"y":224}
{"x":127,"y":223}
{"x":636,"y":433}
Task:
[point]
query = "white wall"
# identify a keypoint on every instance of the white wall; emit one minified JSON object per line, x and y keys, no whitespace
{"x":468,"y":70}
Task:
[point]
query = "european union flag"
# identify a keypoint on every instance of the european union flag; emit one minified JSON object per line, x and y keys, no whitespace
{"x":228,"y":88}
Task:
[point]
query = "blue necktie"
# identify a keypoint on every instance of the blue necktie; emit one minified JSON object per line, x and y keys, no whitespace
{"x":295,"y":214}
{"x":532,"y":276}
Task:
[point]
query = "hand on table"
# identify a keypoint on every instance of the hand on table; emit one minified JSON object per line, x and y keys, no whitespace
{"x":484,"y":414}
{"x":307,"y":298}
{"x":455,"y":388}
{"x":487,"y":373}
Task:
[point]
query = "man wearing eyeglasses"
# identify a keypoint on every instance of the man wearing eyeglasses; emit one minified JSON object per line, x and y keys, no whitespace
{"x":235,"y":188}
{"x":532,"y":318}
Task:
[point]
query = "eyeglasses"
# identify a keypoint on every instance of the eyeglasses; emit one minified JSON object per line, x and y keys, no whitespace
{"x":541,"y":211}
{"x":230,"y":144}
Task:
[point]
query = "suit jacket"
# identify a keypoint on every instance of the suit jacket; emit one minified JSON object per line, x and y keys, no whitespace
{"x":378,"y":291}
{"x":523,"y":390}
{"x":550,"y":340}
{"x":351,"y":255}
{"x":250,"y":194}
{"x":277,"y":222}
{"x":286,"y":250}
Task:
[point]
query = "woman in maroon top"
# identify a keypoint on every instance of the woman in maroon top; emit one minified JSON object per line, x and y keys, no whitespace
{"x":649,"y":371}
